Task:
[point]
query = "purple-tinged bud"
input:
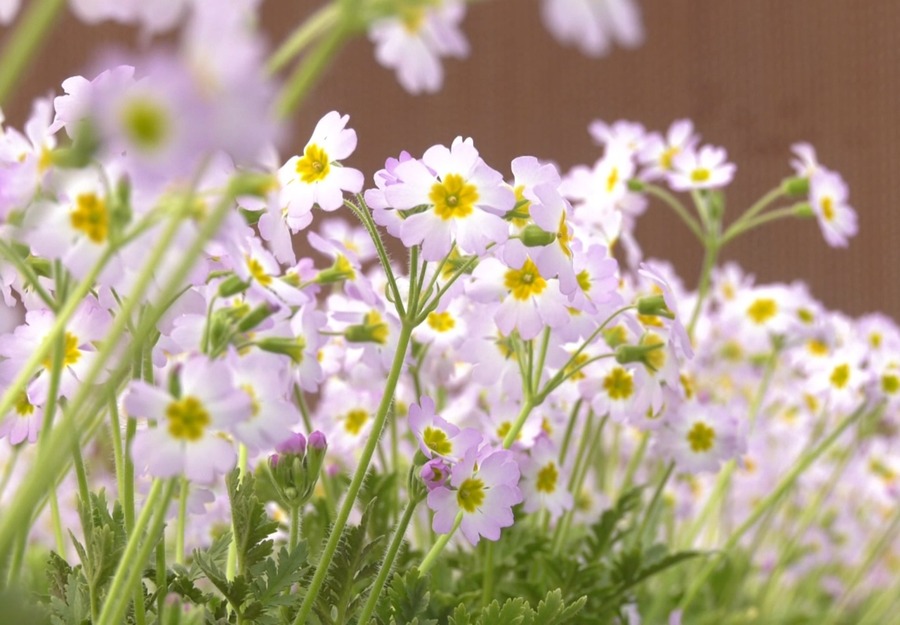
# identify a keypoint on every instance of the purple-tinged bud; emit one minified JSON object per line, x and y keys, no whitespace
{"x":317,"y":441}
{"x":273,"y":461}
{"x":435,"y":473}
{"x":295,"y":445}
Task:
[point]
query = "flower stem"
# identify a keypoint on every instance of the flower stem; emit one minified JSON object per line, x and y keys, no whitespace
{"x":25,"y":41}
{"x":388,"y":562}
{"x":131,"y":566}
{"x":770,"y":501}
{"x":295,"y":527}
{"x":672,"y":202}
{"x":360,"y":474}
{"x":305,"y":76}
{"x":182,"y":519}
{"x":654,"y":501}
{"x":439,"y":545}
{"x":308,"y":31}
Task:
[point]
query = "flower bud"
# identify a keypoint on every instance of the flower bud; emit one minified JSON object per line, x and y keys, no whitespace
{"x":803,"y":210}
{"x":295,"y":445}
{"x":232,"y":285}
{"x":316,"y":447}
{"x":435,"y":473}
{"x":795,"y":187}
{"x":291,"y":347}
{"x":636,"y":185}
{"x":340,"y":271}
{"x":654,"y":305}
{"x":257,"y":316}
{"x":534,"y":236}
{"x":637,"y":353}
{"x":253,"y":184}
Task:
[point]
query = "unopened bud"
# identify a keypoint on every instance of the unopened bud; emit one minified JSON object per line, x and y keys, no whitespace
{"x":654,"y":305}
{"x":232,"y":286}
{"x":257,"y":316}
{"x":534,"y":236}
{"x":295,"y":445}
{"x":803,"y":210}
{"x":795,"y":187}
{"x":637,"y":353}
{"x":293,"y":348}
{"x":253,"y":184}
{"x":636,"y":185}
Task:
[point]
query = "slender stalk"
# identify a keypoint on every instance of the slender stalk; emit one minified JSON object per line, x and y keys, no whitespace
{"x":294,"y":535}
{"x":673,"y":202}
{"x":131,"y":566}
{"x":308,"y":31}
{"x":770,"y":501}
{"x":760,"y":205}
{"x":388,"y":562}
{"x":739,"y":228}
{"x":654,"y":501}
{"x":439,"y":544}
{"x":161,"y":582}
{"x":709,"y":262}
{"x":57,"y":523}
{"x":487,"y":586}
{"x":25,"y":42}
{"x":360,"y":474}
{"x":305,"y":76}
{"x":31,"y":278}
{"x":115,"y":435}
{"x":182,"y":519}
{"x":513,"y":433}
{"x":570,"y":427}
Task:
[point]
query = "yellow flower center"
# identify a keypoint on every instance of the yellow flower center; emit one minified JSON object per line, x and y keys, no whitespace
{"x":840,"y":376}
{"x":145,"y":123}
{"x":564,"y":236}
{"x":612,"y":179}
{"x":571,"y":372}
{"x":827,"y":208}
{"x":187,"y":418}
{"x":412,"y":18}
{"x":525,"y":282}
{"x":584,"y":280}
{"x":523,"y":208}
{"x":71,"y":352}
{"x":762,"y":310}
{"x":890,"y":383}
{"x":470,"y":494}
{"x":666,"y":158}
{"x":453,"y":197}
{"x":546,"y":478}
{"x":817,"y":347}
{"x":355,"y":420}
{"x":618,"y":384}
{"x":701,"y":437}
{"x":256,"y":270}
{"x":700,"y":175}
{"x":436,"y":440}
{"x":655,"y":358}
{"x":24,"y":408}
{"x":314,"y":165}
{"x":441,"y":321}
{"x":377,"y":327}
{"x":254,"y":400}
{"x":91,"y":217}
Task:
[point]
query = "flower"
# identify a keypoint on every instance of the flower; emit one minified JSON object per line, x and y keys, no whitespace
{"x":437,"y":437}
{"x":188,"y":437}
{"x":828,"y":198}
{"x":543,"y":482}
{"x":700,"y":437}
{"x":413,"y":42}
{"x":464,"y":198}
{"x":484,"y":488}
{"x":316,"y":177}
{"x":703,"y":169}
{"x":592,"y":25}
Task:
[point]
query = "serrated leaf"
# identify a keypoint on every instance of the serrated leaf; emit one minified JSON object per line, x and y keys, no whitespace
{"x":58,"y":571}
{"x":252,"y":526}
{"x":511,"y":613}
{"x":461,"y":616}
{"x":289,"y":569}
{"x":553,"y":611}
{"x":408,"y":596}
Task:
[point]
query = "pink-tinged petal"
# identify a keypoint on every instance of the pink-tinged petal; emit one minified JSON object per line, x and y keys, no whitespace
{"x":230,"y":409}
{"x":206,"y":379}
{"x":478,"y":229}
{"x":443,"y":502}
{"x":298,"y":198}
{"x":144,"y":400}
{"x":465,"y":441}
{"x":209,"y":457}
{"x":499,"y":468}
{"x":474,"y":526}
{"x":498,"y":200}
{"x":328,"y":196}
{"x":158,"y":453}
{"x":342,"y":145}
{"x":438,"y":239}
{"x":439,"y":159}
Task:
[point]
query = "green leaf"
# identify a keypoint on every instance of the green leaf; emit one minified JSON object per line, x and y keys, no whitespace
{"x":58,"y":572}
{"x":553,"y":611}
{"x":461,"y":616}
{"x":511,"y":613}
{"x":279,"y":576}
{"x":408,"y":596}
{"x":252,"y":526}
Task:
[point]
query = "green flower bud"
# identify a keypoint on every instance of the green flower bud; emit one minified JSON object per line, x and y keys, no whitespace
{"x":257,"y":316}
{"x":291,"y":347}
{"x":654,"y":305}
{"x":232,"y":286}
{"x":636,"y":185}
{"x":803,"y":210}
{"x":534,"y":236}
{"x":795,"y":187}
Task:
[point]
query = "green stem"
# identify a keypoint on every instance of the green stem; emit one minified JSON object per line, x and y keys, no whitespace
{"x":740,"y":227}
{"x":672,"y":202}
{"x":513,"y":433}
{"x":308,"y":31}
{"x":487,"y":586}
{"x":360,"y":474}
{"x":23,"y":45}
{"x":362,"y":213}
{"x":709,"y":262}
{"x":567,"y":437}
{"x":182,"y":520}
{"x":388,"y":562}
{"x":634,"y":463}
{"x":115,"y":434}
{"x":770,"y":501}
{"x":131,"y":566}
{"x":31,"y":278}
{"x":73,"y":302}
{"x":161,"y":581}
{"x":305,"y":76}
{"x":760,"y":205}
{"x":57,"y":523}
{"x":654,"y":501}
{"x":439,"y":544}
{"x":294,"y":536}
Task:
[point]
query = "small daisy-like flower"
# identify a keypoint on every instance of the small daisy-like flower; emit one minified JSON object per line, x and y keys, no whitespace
{"x":188,"y":437}
{"x":828,"y":198}
{"x":700,"y":438}
{"x":464,"y":198}
{"x":705,"y":168}
{"x":484,"y":488}
{"x":316,"y":177}
{"x":592,"y":25}
{"x":23,"y":422}
{"x":436,"y":436}
{"x":658,"y":153}
{"x":413,"y":42}
{"x":543,"y":482}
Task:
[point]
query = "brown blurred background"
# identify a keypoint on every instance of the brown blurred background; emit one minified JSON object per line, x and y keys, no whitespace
{"x":754,"y":76}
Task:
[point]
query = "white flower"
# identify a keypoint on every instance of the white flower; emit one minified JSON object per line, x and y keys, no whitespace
{"x":703,"y":169}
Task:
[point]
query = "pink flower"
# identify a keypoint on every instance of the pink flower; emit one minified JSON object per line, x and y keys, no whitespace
{"x":484,"y":487}
{"x":437,"y":437}
{"x":702,"y":169}
{"x":828,"y":198}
